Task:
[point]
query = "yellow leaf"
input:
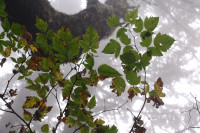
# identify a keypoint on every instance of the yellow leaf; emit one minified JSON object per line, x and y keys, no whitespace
{"x":33,"y":48}
{"x":23,"y":42}
{"x":7,"y":52}
{"x":59,"y":75}
{"x":157,"y":88}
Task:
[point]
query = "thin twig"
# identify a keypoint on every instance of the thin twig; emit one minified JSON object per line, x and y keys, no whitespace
{"x":6,"y":110}
{"x":108,"y":110}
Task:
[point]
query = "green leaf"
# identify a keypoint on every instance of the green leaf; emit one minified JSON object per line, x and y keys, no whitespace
{"x":85,"y":129}
{"x":106,"y":70}
{"x":136,"y":90}
{"x":147,"y":90}
{"x":60,"y":58}
{"x":31,"y":102}
{"x":131,"y":16}
{"x":65,"y":93}
{"x":41,"y":40}
{"x":41,"y":25}
{"x":65,"y":34}
{"x":6,"y":25}
{"x":113,"y":21}
{"x":145,"y":61}
{"x":27,"y":115}
{"x":45,"y":128}
{"x":17,"y":29}
{"x":92,"y":103}
{"x":13,"y":59}
{"x":95,"y":46}
{"x":85,"y":45}
{"x":151,"y":23}
{"x":155,"y":52}
{"x":58,"y":47}
{"x":146,"y":38}
{"x":123,"y":36}
{"x":127,"y":49}
{"x":163,"y":42}
{"x":2,"y":35}
{"x":71,"y":121}
{"x":113,"y":129}
{"x":20,"y":77}
{"x":91,"y":36}
{"x":138,"y":25}
{"x":132,"y":77}
{"x":106,"y":129}
{"x":90,"y":62}
{"x":2,"y":7}
{"x":42,"y":78}
{"x":74,"y":48}
{"x":33,"y":86}
{"x":118,"y":85}
{"x":112,"y":47}
{"x":67,"y":88}
{"x":42,"y":91}
{"x":50,"y":34}
{"x":128,"y":58}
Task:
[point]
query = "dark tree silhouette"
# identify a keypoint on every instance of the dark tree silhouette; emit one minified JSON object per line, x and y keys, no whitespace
{"x":25,"y":12}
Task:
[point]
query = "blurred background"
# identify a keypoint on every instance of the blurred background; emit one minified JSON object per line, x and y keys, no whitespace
{"x":179,"y":69}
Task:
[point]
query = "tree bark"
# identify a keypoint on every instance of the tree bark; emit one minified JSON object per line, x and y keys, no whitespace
{"x":25,"y":12}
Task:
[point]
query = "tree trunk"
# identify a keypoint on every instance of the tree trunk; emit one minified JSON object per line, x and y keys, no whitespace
{"x":25,"y":12}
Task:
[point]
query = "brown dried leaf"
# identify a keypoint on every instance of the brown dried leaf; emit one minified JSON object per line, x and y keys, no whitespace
{"x":27,"y":35}
{"x":13,"y":92}
{"x":160,"y":82}
{"x":35,"y":63}
{"x":3,"y":61}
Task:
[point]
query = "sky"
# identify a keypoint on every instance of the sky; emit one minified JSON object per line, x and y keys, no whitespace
{"x":179,"y":69}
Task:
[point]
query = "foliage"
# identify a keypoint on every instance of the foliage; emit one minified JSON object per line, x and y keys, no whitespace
{"x":51,"y":49}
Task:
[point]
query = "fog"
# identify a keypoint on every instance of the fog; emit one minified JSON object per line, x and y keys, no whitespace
{"x":179,"y":69}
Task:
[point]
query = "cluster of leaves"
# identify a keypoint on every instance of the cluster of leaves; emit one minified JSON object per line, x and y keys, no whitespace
{"x":134,"y":62}
{"x":51,"y":49}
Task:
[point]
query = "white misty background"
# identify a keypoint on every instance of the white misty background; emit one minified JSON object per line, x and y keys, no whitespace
{"x":179,"y":69}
